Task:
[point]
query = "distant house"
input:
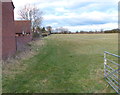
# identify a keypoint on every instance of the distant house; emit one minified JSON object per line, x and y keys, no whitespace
{"x":22,"y":33}
{"x":7,"y":31}
{"x":13,"y":34}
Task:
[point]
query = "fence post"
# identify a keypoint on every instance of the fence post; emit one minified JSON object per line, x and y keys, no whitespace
{"x":105,"y":62}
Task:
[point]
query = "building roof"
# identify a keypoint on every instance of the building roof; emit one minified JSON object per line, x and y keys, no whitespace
{"x":13,"y":5}
{"x":6,"y":1}
{"x":22,"y":26}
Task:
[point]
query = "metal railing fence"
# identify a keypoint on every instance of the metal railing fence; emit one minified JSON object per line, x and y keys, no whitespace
{"x":112,"y":71}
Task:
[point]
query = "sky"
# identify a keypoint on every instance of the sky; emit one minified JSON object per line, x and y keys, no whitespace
{"x":76,"y":15}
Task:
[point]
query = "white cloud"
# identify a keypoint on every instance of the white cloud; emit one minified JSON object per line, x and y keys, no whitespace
{"x":91,"y":16}
{"x":57,"y":3}
{"x":106,"y":26}
{"x":52,"y":24}
{"x":61,"y":10}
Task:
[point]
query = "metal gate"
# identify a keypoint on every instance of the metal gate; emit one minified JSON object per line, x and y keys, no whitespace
{"x":112,"y":70}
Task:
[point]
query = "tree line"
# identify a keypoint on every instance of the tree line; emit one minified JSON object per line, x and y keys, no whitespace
{"x":88,"y":32}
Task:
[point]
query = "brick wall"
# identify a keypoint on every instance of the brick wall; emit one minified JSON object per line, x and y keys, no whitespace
{"x":22,"y":41}
{"x":8,"y":32}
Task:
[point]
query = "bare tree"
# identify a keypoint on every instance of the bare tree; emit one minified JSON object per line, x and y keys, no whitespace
{"x":49,"y":29}
{"x":62,"y":30}
{"x":31,"y":12}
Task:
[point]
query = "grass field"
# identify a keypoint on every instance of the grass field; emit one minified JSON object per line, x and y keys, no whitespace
{"x":66,"y":64}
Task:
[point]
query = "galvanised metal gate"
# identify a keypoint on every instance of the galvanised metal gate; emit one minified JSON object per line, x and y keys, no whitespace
{"x":112,"y":70}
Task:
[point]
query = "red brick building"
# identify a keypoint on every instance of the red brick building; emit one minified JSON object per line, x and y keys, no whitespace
{"x":7,"y":31}
{"x":13,"y":34}
{"x":0,"y":30}
{"x":23,"y":33}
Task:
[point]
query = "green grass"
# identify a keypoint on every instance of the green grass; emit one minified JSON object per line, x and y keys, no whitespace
{"x":65,"y":64}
